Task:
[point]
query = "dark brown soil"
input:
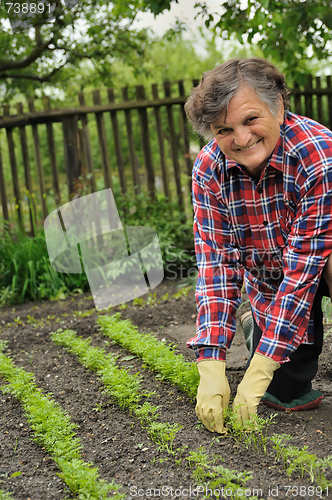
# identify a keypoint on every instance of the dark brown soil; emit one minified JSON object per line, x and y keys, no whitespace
{"x":112,"y":439}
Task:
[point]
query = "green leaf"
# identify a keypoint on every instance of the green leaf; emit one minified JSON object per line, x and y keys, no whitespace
{"x":15,"y":474}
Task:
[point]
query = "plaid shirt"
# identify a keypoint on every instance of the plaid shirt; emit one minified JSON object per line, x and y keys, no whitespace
{"x":275,"y":235}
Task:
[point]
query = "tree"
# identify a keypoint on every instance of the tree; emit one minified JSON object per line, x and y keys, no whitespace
{"x":40,"y":39}
{"x":291,"y":32}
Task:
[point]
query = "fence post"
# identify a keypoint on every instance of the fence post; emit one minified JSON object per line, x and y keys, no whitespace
{"x":38,"y":161}
{"x":51,"y":148}
{"x":13,"y":165}
{"x":86,"y":144}
{"x":130,"y":136}
{"x":185,"y":135}
{"x":3,"y":191}
{"x":160,"y":134}
{"x":117,"y":142}
{"x":308,"y":98}
{"x":319,"y":101}
{"x":201,"y":140}
{"x":174,"y":148}
{"x":329,"y":99}
{"x":72,"y":160}
{"x":102,"y":142}
{"x":27,"y":172}
{"x":145,"y":135}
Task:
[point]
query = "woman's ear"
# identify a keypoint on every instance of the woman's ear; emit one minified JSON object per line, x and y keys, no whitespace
{"x":281,"y":111}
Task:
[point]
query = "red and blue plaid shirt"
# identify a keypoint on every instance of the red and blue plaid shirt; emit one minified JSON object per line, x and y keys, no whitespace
{"x":275,"y":235}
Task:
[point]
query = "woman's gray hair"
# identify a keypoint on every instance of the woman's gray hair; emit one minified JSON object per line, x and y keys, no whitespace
{"x":219,"y":85}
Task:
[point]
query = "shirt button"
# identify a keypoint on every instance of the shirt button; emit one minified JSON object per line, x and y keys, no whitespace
{"x":265,"y":223}
{"x":259,"y":190}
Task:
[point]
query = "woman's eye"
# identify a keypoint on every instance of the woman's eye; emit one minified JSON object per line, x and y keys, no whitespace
{"x":223,"y":131}
{"x":252,"y":119}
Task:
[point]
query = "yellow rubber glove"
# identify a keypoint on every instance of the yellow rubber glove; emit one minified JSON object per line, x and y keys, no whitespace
{"x":255,"y":382}
{"x":212,"y":394}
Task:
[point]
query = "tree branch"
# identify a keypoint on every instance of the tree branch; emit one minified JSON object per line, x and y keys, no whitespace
{"x":41,"y":79}
{"x":23,"y":63}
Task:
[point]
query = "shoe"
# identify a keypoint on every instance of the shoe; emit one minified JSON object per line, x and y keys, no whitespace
{"x":308,"y":401}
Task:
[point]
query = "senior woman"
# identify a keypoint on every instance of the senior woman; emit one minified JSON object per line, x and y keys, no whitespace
{"x":262,"y":196}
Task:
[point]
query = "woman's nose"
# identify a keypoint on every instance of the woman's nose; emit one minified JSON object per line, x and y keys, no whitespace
{"x":241,"y":137}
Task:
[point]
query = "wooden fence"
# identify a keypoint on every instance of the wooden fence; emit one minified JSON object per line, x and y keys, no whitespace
{"x":163,"y":116}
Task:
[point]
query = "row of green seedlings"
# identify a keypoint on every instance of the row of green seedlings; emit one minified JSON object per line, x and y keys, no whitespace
{"x":42,"y":414}
{"x":54,"y":431}
{"x":174,"y":368}
{"x":125,"y":390}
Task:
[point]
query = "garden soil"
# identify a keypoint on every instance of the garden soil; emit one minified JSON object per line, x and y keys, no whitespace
{"x":112,"y":438}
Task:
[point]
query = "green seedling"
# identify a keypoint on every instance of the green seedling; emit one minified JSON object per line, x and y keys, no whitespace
{"x":138,"y":301}
{"x":14,"y":447}
{"x":183,"y":292}
{"x":164,"y":434}
{"x":251,"y":433}
{"x":157,"y":356}
{"x":201,"y":461}
{"x":152,"y":299}
{"x":5,"y":496}
{"x":123,"y":387}
{"x":213,"y":476}
{"x":55,"y":432}
{"x":15,"y":474}
{"x":301,"y":461}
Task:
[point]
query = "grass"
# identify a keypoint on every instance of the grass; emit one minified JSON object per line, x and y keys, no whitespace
{"x":158,"y":356}
{"x":26,"y":272}
{"x":54,"y":431}
{"x":121,"y":385}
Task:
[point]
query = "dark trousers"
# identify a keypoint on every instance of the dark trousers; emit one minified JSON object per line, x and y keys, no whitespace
{"x":294,"y":378}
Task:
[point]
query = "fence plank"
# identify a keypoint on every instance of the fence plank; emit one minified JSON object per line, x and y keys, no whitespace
{"x":3,"y":191}
{"x":117,"y":142}
{"x":164,"y":169}
{"x":319,"y":101}
{"x":297,"y":99}
{"x":329,"y":98}
{"x":145,"y":135}
{"x":38,"y":161}
{"x":13,"y":166}
{"x":174,"y":148}
{"x":308,"y":98}
{"x":102,"y":142}
{"x":72,"y":159}
{"x":201,"y":140}
{"x":185,"y":136}
{"x":51,"y":149}
{"x":130,"y":136}
{"x":87,"y":144}
{"x":27,"y":171}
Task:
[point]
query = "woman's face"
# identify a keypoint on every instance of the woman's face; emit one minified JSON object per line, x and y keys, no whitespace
{"x":250,"y":132}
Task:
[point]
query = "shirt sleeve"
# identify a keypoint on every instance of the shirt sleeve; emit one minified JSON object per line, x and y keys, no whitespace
{"x":308,"y":246}
{"x":218,"y":291}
